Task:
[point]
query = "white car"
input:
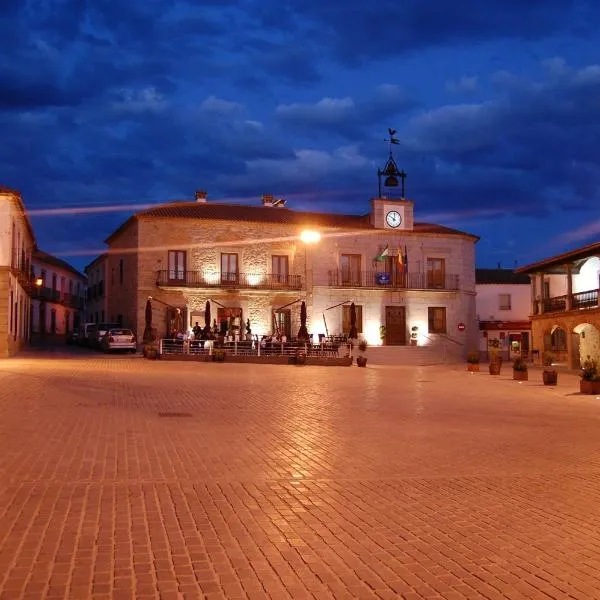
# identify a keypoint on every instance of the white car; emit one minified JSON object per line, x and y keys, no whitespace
{"x":119,"y":339}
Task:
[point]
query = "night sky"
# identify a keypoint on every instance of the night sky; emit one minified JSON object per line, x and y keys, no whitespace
{"x":106,"y":106}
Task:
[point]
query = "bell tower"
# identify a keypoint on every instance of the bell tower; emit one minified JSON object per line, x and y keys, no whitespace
{"x":390,"y":210}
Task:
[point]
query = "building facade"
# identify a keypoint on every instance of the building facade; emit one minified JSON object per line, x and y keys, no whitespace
{"x":565,"y":305}
{"x":58,"y":297}
{"x":503,"y":307}
{"x":411,"y":282}
{"x":96,"y":311}
{"x":17,"y":241}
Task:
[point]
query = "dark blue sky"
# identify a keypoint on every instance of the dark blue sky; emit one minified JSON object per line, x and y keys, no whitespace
{"x":497,"y":104}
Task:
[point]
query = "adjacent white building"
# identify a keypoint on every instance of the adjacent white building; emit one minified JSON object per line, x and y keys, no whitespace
{"x":503,"y":306}
{"x":58,"y":297}
{"x":96,"y":309}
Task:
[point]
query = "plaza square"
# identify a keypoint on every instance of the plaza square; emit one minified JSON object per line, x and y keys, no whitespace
{"x":128,"y":478}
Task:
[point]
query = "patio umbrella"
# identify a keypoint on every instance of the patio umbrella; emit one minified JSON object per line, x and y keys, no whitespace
{"x":178,"y":321}
{"x":303,"y":332}
{"x":148,"y":328}
{"x":353,"y":332}
{"x":207,"y":318}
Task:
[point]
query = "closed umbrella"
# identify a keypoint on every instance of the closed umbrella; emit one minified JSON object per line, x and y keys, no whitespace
{"x":178,"y":322}
{"x":148,"y":337}
{"x":303,"y":332}
{"x":353,"y":330}
{"x":207,"y":319}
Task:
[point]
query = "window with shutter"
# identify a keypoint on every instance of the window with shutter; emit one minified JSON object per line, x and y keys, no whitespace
{"x":436,"y":319}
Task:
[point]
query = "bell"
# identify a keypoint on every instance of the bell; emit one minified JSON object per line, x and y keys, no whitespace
{"x":391,"y":181}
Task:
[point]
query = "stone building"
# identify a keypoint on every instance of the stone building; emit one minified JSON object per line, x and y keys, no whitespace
{"x":58,"y":297}
{"x":411,"y":282}
{"x":503,"y":306}
{"x":17,"y":241}
{"x":565,"y":305}
{"x":96,"y":308}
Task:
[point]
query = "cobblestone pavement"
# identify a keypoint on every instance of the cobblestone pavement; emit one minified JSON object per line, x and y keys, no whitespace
{"x":124,"y":478}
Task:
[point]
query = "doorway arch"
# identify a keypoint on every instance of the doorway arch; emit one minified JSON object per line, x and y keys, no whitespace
{"x":586,"y":343}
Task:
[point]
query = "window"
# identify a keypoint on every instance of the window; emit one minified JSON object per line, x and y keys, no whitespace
{"x":53,"y":321}
{"x":436,"y":273}
{"x":282,"y":322}
{"x":121,"y":271}
{"x":43,"y":276}
{"x":350,"y":265}
{"x":280,"y":268}
{"x":546,"y":289}
{"x":54,"y":281}
{"x":504,"y":301}
{"x":346,"y":319}
{"x":229,"y":267}
{"x":437,"y":319}
{"x":177,"y":259}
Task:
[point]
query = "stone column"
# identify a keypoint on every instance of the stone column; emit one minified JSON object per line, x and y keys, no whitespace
{"x":569,"y":302}
{"x":533,"y":287}
{"x":541,"y":311}
{"x":572,"y":360}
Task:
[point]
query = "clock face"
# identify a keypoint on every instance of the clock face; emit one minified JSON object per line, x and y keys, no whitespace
{"x":393,"y":218}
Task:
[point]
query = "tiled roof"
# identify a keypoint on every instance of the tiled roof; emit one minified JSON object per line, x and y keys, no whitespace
{"x":17,"y":196}
{"x":48,"y":259}
{"x":500,"y":276}
{"x":556,"y":264}
{"x":263,"y":214}
{"x":96,"y":260}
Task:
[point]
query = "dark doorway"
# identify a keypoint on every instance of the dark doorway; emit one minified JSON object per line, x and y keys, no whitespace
{"x":395,"y":325}
{"x":42,"y":319}
{"x":282,"y":322}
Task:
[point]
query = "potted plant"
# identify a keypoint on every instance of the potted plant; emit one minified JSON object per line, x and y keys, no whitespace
{"x":300,"y":357}
{"x":495,"y":365}
{"x":150,"y":349}
{"x":473,"y":362}
{"x":413,"y":335}
{"x":382,"y":333}
{"x":590,"y":378}
{"x":549,"y":374}
{"x":218,"y":355}
{"x":361,"y":360}
{"x":520,"y":369}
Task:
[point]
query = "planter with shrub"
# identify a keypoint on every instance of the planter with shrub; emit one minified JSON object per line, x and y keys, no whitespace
{"x":218,"y":355}
{"x":300,"y":358}
{"x":520,"y":372}
{"x":361,"y":360}
{"x":590,"y":378}
{"x":473,"y":362}
{"x":495,"y":365}
{"x":549,"y":374}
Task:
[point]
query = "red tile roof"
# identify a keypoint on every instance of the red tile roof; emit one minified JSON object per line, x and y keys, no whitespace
{"x":263,"y":214}
{"x":558,"y":263}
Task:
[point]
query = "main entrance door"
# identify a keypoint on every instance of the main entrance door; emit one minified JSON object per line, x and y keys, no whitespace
{"x":395,"y":325}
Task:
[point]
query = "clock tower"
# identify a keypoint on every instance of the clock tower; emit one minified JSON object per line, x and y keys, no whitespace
{"x":390,"y":211}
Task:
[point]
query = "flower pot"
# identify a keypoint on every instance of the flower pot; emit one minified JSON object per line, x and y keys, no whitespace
{"x":413,"y":342}
{"x":150,"y":351}
{"x":495,"y":367}
{"x":473,"y":367}
{"x":520,"y":375}
{"x":588,"y":386}
{"x":361,"y":361}
{"x":550,"y":376}
{"x":301,"y":358}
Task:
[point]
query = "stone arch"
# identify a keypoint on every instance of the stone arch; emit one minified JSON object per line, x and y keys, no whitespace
{"x":587,"y":339}
{"x":555,"y":340}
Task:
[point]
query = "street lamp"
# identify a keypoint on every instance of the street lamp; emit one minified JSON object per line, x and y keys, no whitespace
{"x":39,"y":281}
{"x":309,"y":237}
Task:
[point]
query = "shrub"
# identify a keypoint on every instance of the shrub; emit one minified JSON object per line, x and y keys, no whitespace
{"x":519,"y":364}
{"x":362,"y":346}
{"x":589,"y":369}
{"x":473,"y":358}
{"x":548,"y":358}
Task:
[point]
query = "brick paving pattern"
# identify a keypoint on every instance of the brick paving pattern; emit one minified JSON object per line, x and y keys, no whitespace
{"x":130,"y":479}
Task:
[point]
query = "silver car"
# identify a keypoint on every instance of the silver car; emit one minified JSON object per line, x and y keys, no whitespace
{"x":119,"y":339}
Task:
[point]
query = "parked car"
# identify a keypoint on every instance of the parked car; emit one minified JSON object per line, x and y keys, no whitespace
{"x":99,"y":331}
{"x":119,"y":339}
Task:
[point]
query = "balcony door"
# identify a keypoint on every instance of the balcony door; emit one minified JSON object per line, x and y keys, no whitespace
{"x":280,"y":269}
{"x":350,"y":267}
{"x":229,"y":268}
{"x":177,"y":261}
{"x":436,"y":273}
{"x":282,"y":322}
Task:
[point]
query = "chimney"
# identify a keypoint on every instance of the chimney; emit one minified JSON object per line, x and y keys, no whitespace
{"x":267,"y":199}
{"x":201,"y":196}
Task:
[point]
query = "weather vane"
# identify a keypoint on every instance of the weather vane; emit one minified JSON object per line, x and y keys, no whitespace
{"x":391,"y":171}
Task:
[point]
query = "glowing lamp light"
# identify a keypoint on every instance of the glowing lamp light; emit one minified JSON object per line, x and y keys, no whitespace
{"x":255,"y":279}
{"x":310,"y":237}
{"x":39,"y":281}
{"x":211,"y":277}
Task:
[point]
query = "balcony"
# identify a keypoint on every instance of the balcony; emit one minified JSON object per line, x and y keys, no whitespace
{"x":377,"y":280}
{"x":579,"y":301}
{"x":50,"y":295}
{"x":203,"y":279}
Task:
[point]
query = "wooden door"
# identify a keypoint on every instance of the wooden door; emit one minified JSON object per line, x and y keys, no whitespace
{"x":395,"y":325}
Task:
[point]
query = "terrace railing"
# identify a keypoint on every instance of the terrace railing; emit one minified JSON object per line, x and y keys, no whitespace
{"x":203,"y":279}
{"x":376,"y":279}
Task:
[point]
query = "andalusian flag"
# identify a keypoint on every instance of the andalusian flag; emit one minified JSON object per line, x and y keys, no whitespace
{"x":385,"y":252}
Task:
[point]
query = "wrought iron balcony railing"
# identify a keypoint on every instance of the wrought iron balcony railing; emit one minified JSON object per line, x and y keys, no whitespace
{"x":410,"y":281}
{"x":203,"y":279}
{"x":56,"y":296}
{"x":579,"y":301}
